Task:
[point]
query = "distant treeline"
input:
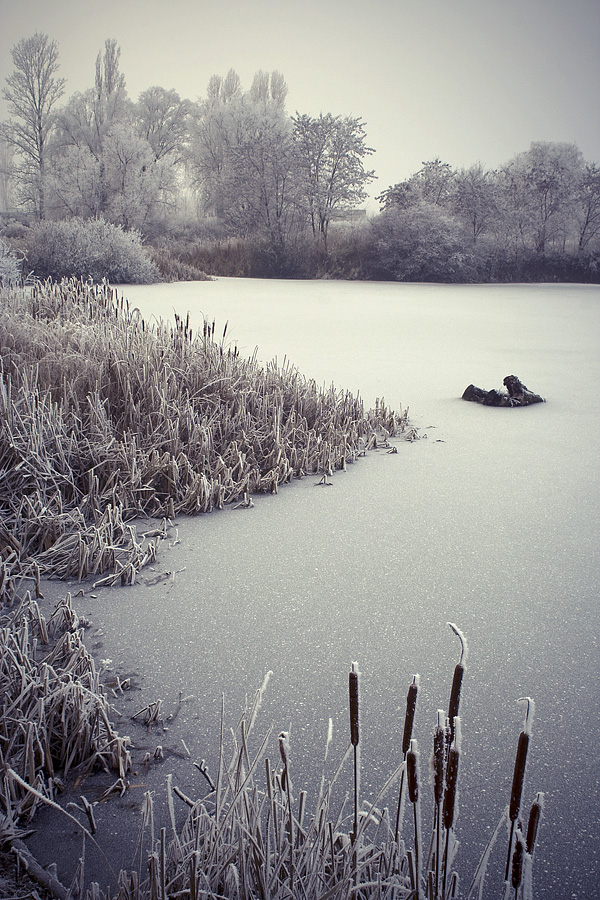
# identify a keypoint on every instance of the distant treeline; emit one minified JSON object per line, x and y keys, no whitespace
{"x":234,"y":185}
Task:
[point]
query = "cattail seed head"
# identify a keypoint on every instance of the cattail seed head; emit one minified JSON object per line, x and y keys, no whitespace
{"x":533,"y":823}
{"x":284,"y":746}
{"x":459,"y":670}
{"x":412,"y":771}
{"x":284,"y":750}
{"x":437,"y":759}
{"x":409,"y":718}
{"x":518,"y":776}
{"x":449,"y":808}
{"x":454,"y":703}
{"x":450,"y":794}
{"x":353,"y":693}
{"x":517,"y":862}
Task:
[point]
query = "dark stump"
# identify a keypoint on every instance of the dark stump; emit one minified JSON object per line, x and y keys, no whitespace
{"x":516,"y":394}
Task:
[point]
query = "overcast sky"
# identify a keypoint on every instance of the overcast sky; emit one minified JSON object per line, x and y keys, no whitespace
{"x":464,"y":80}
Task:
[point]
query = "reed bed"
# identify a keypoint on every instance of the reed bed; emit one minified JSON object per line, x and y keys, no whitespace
{"x":53,"y":712}
{"x":254,"y":837}
{"x":105,"y":417}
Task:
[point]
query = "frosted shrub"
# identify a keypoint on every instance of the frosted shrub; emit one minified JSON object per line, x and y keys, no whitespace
{"x":10,"y":266}
{"x":90,"y":249}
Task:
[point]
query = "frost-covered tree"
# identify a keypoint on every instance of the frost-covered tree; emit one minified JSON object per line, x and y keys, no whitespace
{"x":332,"y":177}
{"x":538,"y":192}
{"x":162,"y":120}
{"x":243,"y":158}
{"x":135,"y":177}
{"x":422,"y":242}
{"x":475,"y":200}
{"x":433,"y":183}
{"x":215,"y":128}
{"x":32,"y":93}
{"x":587,"y":209}
{"x":88,"y":118}
{"x":112,"y":158}
{"x":74,"y":183}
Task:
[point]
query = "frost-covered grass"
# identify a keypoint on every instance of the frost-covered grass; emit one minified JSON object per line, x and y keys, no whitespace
{"x":54,"y":713}
{"x":255,"y":833}
{"x":105,"y":417}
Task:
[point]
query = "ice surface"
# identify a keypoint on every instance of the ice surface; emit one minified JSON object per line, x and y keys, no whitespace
{"x":491,"y":522}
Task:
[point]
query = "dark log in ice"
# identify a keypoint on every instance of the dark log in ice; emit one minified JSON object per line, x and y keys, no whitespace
{"x":516,"y":394}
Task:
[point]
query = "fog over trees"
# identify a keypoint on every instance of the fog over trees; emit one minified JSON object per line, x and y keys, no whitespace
{"x":235,"y":184}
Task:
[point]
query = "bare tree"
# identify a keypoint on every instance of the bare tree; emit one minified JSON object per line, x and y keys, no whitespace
{"x":33,"y":89}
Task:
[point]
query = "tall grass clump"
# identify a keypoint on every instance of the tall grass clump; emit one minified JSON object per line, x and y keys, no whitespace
{"x":253,"y":837}
{"x":171,"y":268}
{"x":54,"y":714}
{"x":104,"y":417}
{"x":89,"y":249}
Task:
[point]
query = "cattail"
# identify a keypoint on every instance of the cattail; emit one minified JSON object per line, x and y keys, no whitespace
{"x":454,"y":703}
{"x":284,"y":749}
{"x":449,"y":808}
{"x":412,"y":778}
{"x":520,"y":762}
{"x":437,"y":760}
{"x":412,"y":772}
{"x":517,"y":862}
{"x":533,"y":823}
{"x":353,"y":691}
{"x":516,"y":791}
{"x":452,"y":777}
{"x":437,"y":766}
{"x":409,"y":718}
{"x":459,"y":670}
{"x":354,"y":738}
{"x":518,"y":776}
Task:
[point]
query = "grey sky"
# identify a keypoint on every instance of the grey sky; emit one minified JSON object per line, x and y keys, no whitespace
{"x":465,"y":80}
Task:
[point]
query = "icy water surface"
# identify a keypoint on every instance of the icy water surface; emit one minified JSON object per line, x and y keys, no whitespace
{"x":491,"y":521}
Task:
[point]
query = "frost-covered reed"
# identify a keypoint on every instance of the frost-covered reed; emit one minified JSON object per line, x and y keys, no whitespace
{"x":54,"y":714}
{"x":104,"y":417}
{"x":251,"y":836}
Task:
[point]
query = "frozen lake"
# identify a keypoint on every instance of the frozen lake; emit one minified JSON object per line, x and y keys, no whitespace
{"x":491,"y":522}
